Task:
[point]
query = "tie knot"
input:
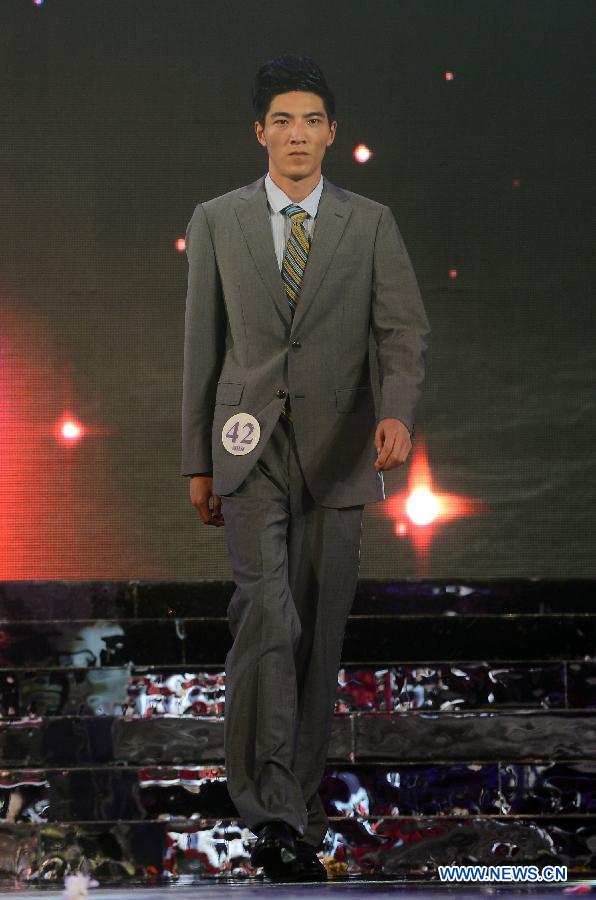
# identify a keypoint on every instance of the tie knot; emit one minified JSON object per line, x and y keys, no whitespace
{"x":295,"y":212}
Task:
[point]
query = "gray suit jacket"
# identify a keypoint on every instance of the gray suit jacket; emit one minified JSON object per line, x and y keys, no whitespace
{"x":243,"y":352}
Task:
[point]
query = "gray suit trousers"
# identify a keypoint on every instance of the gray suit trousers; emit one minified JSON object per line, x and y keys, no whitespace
{"x":295,"y":564}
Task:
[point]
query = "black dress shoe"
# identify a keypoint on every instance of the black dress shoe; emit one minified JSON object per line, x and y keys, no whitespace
{"x":306,"y":866}
{"x":275,"y":847}
{"x":309,"y":863}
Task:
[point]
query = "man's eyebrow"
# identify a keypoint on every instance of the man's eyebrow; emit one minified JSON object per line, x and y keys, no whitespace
{"x":290,"y":116}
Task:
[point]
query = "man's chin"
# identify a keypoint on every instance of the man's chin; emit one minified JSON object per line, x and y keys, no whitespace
{"x":299,"y":176}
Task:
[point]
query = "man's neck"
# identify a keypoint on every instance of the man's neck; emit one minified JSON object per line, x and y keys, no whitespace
{"x":296,"y":190}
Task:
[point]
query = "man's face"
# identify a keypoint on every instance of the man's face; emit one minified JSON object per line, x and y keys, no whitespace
{"x":296,"y":134}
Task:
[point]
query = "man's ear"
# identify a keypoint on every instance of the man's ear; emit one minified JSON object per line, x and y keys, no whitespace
{"x":259,"y":128}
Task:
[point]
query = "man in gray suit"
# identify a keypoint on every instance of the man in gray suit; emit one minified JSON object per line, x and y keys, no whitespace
{"x":282,"y":442}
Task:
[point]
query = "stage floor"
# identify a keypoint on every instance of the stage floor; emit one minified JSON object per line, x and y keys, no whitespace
{"x":338,"y":887}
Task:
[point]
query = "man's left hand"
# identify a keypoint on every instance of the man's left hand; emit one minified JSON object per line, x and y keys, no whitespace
{"x":393,"y":443}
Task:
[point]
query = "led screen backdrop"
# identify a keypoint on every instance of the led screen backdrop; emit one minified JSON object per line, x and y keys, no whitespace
{"x":118,"y":117}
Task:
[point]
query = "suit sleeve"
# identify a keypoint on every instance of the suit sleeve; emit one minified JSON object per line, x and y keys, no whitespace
{"x":204,"y":345}
{"x":399,"y":324}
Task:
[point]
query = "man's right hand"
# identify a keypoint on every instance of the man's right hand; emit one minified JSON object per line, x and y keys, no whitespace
{"x":201,"y":492}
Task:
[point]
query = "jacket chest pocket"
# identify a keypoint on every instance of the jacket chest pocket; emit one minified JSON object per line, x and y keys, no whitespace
{"x":229,"y":393}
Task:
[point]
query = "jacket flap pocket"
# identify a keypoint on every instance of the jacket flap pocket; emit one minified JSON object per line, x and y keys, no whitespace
{"x":229,"y":392}
{"x":349,"y":399}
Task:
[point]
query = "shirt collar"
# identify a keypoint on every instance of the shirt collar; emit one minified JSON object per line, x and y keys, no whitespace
{"x":278,"y":199}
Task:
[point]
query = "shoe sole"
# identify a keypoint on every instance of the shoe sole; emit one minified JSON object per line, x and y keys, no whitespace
{"x":279,"y":875}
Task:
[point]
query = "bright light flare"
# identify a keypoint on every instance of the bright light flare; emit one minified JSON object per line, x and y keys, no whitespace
{"x":421,"y":510}
{"x":362,"y":153}
{"x":69,"y":430}
{"x":422,"y":506}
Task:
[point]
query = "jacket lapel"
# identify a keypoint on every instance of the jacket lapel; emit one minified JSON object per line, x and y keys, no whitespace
{"x":332,"y":216}
{"x":253,"y":215}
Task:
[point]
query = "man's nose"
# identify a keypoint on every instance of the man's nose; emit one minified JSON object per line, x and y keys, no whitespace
{"x":297,"y":133}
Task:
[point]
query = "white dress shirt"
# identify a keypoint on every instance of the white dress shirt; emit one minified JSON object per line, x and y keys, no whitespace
{"x":280,"y":223}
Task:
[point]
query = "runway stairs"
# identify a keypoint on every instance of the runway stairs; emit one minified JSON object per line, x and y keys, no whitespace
{"x":464,"y":732}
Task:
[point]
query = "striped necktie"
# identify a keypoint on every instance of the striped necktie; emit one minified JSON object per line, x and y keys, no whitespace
{"x":293,"y":265}
{"x":296,"y":254}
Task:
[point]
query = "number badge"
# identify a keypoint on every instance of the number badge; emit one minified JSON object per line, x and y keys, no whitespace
{"x":240,"y":434}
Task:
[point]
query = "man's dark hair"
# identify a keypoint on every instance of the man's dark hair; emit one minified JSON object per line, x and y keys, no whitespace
{"x":290,"y":73}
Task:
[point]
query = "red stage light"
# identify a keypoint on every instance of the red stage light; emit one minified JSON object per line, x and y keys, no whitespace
{"x":449,"y":76}
{"x":422,"y":506}
{"x":362,"y":153}
{"x":69,"y":430}
{"x":421,"y":509}
{"x":453,"y":274}
{"x":62,"y":514}
{"x":180,"y":245}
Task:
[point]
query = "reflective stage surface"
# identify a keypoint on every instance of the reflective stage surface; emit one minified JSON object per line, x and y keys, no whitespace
{"x":464,"y":732}
{"x":350,"y":889}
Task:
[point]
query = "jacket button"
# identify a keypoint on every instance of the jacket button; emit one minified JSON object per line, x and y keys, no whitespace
{"x":296,"y":344}
{"x":280,"y":393}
